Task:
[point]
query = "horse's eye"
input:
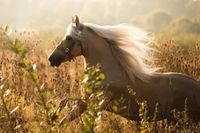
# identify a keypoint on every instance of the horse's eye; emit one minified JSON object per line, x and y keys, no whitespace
{"x":66,"y":50}
{"x":68,"y":38}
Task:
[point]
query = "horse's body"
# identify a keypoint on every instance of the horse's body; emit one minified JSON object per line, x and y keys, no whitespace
{"x":123,"y":68}
{"x":170,"y":92}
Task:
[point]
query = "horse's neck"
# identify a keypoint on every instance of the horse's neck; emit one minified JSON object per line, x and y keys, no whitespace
{"x":99,"y":52}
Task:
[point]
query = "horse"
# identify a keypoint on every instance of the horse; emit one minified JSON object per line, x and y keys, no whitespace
{"x":121,"y":51}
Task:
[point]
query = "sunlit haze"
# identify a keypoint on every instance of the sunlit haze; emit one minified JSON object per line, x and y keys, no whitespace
{"x":39,"y":13}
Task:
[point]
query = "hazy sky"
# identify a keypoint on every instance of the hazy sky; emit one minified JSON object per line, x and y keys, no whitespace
{"x":37,"y":13}
{"x":34,"y":12}
{"x":25,"y":13}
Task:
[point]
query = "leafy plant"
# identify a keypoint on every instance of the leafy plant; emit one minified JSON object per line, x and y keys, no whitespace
{"x":92,"y":85}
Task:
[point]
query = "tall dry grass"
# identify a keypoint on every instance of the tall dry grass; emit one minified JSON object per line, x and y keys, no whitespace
{"x":31,"y":90}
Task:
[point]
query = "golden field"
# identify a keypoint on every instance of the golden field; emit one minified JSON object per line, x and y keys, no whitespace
{"x":31,"y":90}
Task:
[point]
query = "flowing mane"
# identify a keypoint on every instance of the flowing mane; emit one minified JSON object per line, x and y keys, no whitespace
{"x":130,"y":47}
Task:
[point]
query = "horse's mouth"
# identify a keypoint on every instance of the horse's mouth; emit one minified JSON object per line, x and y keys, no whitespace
{"x":55,"y":64}
{"x":58,"y":63}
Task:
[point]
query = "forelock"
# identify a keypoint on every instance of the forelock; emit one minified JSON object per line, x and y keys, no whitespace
{"x":74,"y":32}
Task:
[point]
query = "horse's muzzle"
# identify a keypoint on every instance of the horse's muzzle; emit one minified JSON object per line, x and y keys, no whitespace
{"x":53,"y":62}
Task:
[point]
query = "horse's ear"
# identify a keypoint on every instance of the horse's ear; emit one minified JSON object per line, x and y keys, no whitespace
{"x":75,"y":21}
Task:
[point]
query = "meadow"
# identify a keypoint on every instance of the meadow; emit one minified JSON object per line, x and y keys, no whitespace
{"x":31,"y":90}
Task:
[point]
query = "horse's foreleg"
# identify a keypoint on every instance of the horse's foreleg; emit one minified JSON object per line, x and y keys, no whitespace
{"x":81,"y":106}
{"x":104,"y":103}
{"x":77,"y":110}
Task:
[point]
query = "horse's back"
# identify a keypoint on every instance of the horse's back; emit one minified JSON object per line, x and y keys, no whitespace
{"x":183,"y":83}
{"x":185,"y":87}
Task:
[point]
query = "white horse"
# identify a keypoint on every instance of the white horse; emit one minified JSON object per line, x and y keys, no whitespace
{"x":121,"y":51}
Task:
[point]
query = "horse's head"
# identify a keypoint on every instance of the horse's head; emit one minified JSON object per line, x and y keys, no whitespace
{"x":70,"y":47}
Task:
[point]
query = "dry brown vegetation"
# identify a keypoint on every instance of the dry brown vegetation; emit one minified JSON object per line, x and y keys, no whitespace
{"x":31,"y":90}
{"x":171,"y":57}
